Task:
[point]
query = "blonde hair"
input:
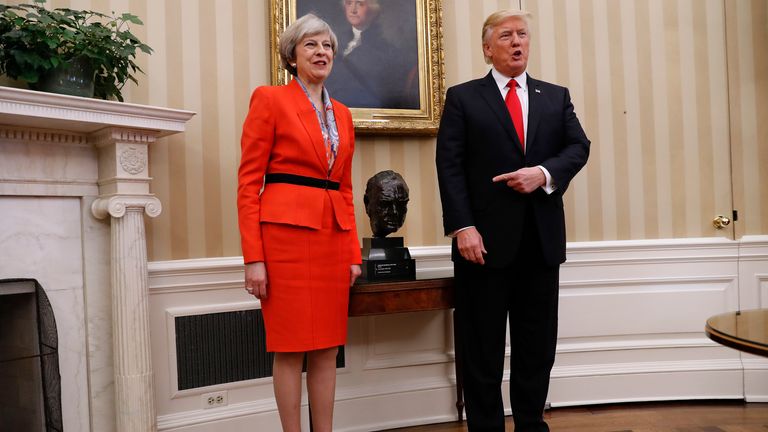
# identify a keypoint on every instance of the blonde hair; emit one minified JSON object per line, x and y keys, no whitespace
{"x":497,"y":18}
{"x":308,"y":25}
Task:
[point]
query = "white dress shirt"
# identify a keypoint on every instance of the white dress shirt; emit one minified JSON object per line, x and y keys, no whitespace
{"x":356,"y":36}
{"x":522,"y":94}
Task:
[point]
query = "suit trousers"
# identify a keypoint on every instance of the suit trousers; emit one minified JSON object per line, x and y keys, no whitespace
{"x":526,"y":294}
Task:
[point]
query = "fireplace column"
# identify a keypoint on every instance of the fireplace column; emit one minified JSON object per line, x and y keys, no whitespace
{"x":124,"y":197}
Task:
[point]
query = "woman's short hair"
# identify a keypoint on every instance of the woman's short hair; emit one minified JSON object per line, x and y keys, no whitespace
{"x":497,"y":18}
{"x":308,"y":25}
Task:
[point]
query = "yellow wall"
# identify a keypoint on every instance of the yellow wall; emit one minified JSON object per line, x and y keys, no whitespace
{"x":663,"y":88}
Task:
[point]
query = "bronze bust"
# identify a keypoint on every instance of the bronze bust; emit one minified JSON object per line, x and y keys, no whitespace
{"x":386,"y":202}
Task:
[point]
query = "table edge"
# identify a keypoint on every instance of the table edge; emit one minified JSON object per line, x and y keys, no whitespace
{"x":734,"y":342}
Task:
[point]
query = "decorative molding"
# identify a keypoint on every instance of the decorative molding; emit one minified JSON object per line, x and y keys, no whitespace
{"x":200,"y":274}
{"x":661,"y":355}
{"x":438,"y":258}
{"x":121,"y":181}
{"x":265,"y":406}
{"x":49,"y":182}
{"x":663,"y":398}
{"x":408,"y":358}
{"x":201,"y":416}
{"x":113,"y":135}
{"x":761,"y":281}
{"x":382,"y":389}
{"x":677,"y":281}
{"x":754,"y":363}
{"x":753,"y":248}
{"x":660,"y":245}
{"x":11,"y":133}
{"x":732,"y":256}
{"x":645,"y":368}
{"x":250,"y":303}
{"x":133,"y":159}
{"x":568,"y":345}
{"x":48,"y":110}
{"x":432,"y":261}
{"x":116,"y":205}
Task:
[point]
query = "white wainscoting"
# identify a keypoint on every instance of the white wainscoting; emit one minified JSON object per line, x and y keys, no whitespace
{"x":632,"y":317}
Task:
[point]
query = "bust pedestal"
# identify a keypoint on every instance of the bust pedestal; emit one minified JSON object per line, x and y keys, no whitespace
{"x":386,"y":259}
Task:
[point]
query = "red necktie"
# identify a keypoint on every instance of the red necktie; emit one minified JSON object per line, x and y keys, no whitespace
{"x":515,"y":111}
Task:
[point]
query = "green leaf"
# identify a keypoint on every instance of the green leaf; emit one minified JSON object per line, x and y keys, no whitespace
{"x":34,"y":39}
{"x":131,"y":18}
{"x":29,"y":76}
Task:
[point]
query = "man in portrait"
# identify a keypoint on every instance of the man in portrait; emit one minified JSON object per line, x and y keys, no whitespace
{"x":370,"y":71}
{"x":386,"y":202}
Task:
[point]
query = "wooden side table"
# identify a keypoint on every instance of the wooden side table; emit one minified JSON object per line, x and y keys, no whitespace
{"x":378,"y":298}
{"x":745,"y":330}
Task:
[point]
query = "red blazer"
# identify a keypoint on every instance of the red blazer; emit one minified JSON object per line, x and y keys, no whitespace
{"x":281,"y":134}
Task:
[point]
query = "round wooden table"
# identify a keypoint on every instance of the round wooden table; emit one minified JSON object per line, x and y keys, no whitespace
{"x":745,"y":330}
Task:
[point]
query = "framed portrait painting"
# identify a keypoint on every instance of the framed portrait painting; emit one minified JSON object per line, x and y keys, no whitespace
{"x":388,"y":67}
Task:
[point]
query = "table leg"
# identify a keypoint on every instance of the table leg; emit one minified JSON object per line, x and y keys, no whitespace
{"x":309,"y":408}
{"x":458,"y":366}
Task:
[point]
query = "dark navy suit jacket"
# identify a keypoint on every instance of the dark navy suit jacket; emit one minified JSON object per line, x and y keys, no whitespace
{"x":477,"y":141}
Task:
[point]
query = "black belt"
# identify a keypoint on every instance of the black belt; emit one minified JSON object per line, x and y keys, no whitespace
{"x":301,"y":181}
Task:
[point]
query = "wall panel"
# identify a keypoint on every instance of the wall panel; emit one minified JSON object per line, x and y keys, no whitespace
{"x":631,"y":328}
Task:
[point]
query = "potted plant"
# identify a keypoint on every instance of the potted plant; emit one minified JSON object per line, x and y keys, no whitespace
{"x":49,"y":48}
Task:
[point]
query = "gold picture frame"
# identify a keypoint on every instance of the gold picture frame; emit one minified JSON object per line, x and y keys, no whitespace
{"x":405,"y":100}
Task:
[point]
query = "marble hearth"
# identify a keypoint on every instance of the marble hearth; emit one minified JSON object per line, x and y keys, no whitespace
{"x":74,"y":190}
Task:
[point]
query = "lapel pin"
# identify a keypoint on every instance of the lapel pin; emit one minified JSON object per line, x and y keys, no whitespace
{"x":537,"y":90}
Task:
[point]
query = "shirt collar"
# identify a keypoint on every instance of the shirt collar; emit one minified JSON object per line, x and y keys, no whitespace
{"x":502,"y":80}
{"x":324,"y":95}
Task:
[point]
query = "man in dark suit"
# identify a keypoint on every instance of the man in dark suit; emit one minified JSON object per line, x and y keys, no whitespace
{"x":369,"y":71}
{"x":503,"y":165}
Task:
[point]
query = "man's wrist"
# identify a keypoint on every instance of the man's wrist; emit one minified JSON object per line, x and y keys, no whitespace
{"x":549,"y":185}
{"x":455,"y":233}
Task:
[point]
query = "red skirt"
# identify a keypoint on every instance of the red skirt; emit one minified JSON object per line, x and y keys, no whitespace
{"x":308,"y":275}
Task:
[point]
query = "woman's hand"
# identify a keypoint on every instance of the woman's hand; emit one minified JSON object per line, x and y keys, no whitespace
{"x":256,"y":279}
{"x":354,"y":273}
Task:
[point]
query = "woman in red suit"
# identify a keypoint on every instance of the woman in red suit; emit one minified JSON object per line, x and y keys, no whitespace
{"x":299,"y":238}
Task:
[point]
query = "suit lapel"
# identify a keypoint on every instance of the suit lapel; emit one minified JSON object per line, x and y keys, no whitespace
{"x":342,"y":126}
{"x":308,"y":119}
{"x":534,"y":108}
{"x":490,"y":92}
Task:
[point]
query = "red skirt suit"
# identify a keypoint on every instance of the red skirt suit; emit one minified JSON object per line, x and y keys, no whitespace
{"x":305,"y":235}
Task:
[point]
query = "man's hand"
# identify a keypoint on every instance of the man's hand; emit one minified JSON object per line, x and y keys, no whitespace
{"x":524,"y":180}
{"x":470,"y":244}
{"x":256,"y":279}
{"x":354,"y":273}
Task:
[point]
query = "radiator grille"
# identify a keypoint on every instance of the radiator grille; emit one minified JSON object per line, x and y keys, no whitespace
{"x":223,"y":347}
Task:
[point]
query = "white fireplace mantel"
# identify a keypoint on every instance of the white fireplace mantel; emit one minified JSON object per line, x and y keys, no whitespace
{"x":33,"y":109}
{"x":74,"y":189}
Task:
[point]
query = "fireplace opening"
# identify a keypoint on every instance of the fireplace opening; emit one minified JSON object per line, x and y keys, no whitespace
{"x":29,"y":359}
